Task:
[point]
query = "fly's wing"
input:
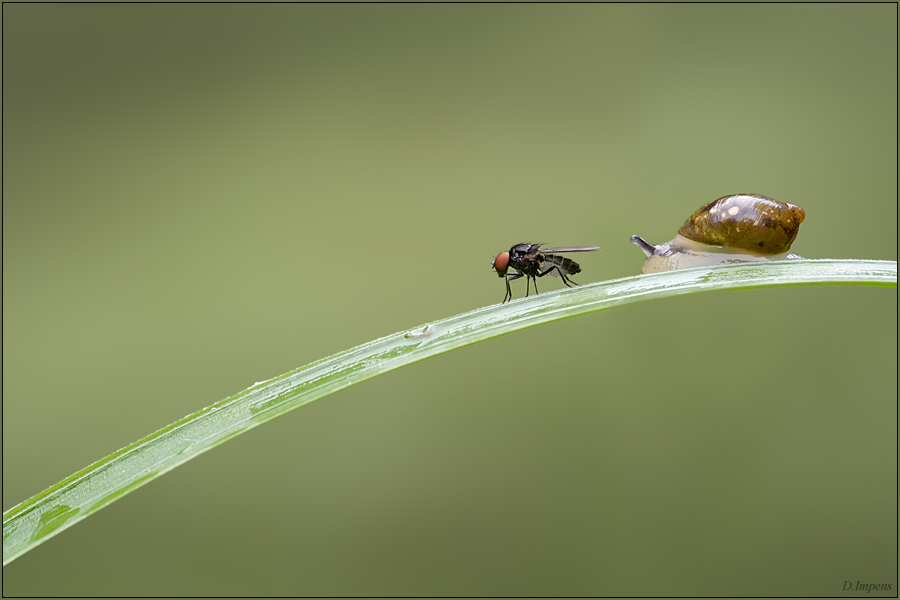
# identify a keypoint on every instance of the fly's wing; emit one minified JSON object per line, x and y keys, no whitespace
{"x":570,"y":249}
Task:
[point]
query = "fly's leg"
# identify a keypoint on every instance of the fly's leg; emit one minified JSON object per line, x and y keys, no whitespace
{"x":509,"y":278}
{"x":562,"y":275}
{"x":567,"y":281}
{"x":550,"y":270}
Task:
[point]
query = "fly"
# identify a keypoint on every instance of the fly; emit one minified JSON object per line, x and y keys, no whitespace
{"x":531,"y":262}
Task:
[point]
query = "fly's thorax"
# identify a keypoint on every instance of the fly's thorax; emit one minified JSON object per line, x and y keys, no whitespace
{"x":520,"y":252}
{"x":529,"y":265}
{"x":526,"y":258}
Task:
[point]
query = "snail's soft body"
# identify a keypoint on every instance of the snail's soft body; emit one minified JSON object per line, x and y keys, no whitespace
{"x":732,"y":229}
{"x":685,"y":253}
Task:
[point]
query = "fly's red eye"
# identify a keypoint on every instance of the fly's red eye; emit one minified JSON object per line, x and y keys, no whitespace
{"x":501,"y":263}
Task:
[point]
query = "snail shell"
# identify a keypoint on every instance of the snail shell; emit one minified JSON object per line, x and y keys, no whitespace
{"x":732,"y":229}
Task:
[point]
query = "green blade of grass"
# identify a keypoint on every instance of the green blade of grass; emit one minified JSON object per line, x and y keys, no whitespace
{"x":53,"y":510}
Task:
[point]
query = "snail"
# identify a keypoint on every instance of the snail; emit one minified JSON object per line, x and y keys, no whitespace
{"x":732,"y":229}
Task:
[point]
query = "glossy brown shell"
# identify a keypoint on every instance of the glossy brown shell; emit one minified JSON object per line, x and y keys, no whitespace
{"x":746,"y":221}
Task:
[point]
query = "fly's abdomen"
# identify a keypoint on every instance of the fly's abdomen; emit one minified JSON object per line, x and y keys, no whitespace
{"x":566,"y":265}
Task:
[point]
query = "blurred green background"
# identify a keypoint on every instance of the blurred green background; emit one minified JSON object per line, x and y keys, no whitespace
{"x":196,"y":198}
